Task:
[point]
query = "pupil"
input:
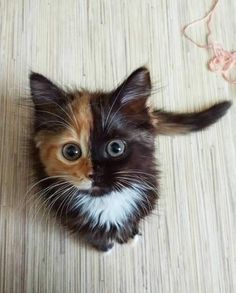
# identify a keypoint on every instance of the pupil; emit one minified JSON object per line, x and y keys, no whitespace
{"x":72,"y":151}
{"x":116,"y":148}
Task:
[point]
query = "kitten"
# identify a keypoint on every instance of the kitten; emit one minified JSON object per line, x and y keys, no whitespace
{"x":94,"y":154}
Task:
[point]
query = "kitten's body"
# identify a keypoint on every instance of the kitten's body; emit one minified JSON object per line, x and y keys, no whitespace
{"x":105,"y":192}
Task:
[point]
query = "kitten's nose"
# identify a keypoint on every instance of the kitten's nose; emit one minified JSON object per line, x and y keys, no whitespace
{"x":90,"y":176}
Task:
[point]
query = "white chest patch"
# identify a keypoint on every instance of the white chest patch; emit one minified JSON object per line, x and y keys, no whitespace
{"x":113,"y":208}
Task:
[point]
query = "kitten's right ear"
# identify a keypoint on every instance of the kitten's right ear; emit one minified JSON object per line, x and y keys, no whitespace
{"x":134,"y":91}
{"x":44,"y":91}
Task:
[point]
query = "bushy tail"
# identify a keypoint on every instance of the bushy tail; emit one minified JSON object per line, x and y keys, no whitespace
{"x":170,"y":123}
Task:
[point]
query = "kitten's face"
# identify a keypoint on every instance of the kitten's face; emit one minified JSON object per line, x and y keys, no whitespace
{"x":99,"y":142}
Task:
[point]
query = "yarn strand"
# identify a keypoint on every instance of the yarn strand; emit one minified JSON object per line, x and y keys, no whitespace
{"x":222,"y":61}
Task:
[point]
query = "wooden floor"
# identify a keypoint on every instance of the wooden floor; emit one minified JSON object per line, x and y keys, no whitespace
{"x":189,"y":243}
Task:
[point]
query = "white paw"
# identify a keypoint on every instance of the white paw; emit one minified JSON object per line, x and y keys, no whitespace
{"x":108,"y":252}
{"x":135,"y":240}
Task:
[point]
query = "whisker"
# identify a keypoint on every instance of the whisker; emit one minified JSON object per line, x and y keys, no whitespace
{"x":142,"y":196}
{"x":74,"y":118}
{"x":71,"y":199}
{"x":136,"y":171}
{"x":45,"y":201}
{"x":67,"y":114}
{"x":42,"y":180}
{"x":60,"y":193}
{"x":57,"y":123}
{"x":54,"y":114}
{"x":102,"y":115}
{"x":43,"y":193}
{"x":114,"y":102}
{"x":132,"y":179}
{"x":70,"y":194}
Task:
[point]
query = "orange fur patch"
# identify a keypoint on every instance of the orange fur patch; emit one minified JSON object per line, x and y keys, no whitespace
{"x":78,"y":131}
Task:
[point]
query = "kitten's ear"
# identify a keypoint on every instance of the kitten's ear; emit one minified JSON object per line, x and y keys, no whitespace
{"x":135,"y":90}
{"x":43,"y":91}
{"x":48,"y":100}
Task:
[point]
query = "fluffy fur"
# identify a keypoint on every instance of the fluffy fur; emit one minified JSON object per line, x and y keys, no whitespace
{"x":100,"y":197}
{"x":114,"y":208}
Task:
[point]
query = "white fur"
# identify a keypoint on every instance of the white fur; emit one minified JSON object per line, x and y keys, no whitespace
{"x":135,"y":240}
{"x":108,"y":252}
{"x":111,"y":209}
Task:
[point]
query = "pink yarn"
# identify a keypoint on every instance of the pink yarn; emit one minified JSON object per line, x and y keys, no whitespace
{"x":222,"y":61}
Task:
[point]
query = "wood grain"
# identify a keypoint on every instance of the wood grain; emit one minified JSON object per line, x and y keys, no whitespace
{"x":188,"y":244}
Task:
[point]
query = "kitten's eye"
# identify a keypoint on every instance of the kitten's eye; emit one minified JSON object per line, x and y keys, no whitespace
{"x":71,"y":152}
{"x":115,"y":148}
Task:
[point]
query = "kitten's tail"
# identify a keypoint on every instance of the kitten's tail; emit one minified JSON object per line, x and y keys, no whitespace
{"x":170,"y":123}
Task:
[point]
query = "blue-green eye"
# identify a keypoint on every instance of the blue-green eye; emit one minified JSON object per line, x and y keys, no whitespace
{"x":116,"y":148}
{"x":71,"y":151}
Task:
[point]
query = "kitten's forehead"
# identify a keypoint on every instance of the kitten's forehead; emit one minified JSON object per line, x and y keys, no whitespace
{"x":107,"y":113}
{"x":81,"y":114}
{"x":76,"y":119}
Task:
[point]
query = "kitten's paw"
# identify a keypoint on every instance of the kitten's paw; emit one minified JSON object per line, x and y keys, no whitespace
{"x":134,"y":241}
{"x":107,"y":252}
{"x":106,"y":248}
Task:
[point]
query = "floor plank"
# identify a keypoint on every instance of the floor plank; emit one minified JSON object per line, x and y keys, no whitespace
{"x":188,"y":244}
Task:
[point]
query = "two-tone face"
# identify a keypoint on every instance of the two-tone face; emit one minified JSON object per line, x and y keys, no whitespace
{"x":99,"y":142}
{"x":95,"y":154}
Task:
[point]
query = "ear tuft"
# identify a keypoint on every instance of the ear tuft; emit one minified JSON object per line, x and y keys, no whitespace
{"x":137,"y":86}
{"x":43,"y":90}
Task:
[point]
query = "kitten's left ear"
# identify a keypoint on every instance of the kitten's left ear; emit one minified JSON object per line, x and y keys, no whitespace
{"x":48,"y":100}
{"x":43,"y":91}
{"x":135,"y":90}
